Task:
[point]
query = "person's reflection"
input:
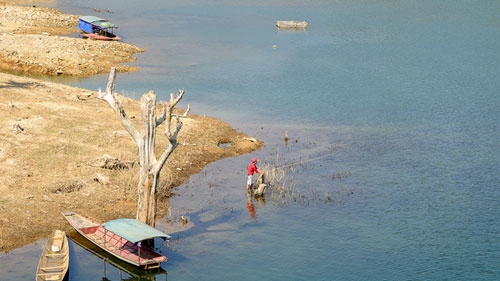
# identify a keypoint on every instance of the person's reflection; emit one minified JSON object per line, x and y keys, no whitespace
{"x":250,"y":206}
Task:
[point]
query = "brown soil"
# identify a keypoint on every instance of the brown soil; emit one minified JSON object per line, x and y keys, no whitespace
{"x":55,"y":139}
{"x":31,"y":42}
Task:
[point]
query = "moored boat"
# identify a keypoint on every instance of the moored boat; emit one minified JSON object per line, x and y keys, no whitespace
{"x":97,"y":28}
{"x":54,"y":261}
{"x":124,"y":238}
{"x":110,"y":261}
{"x":291,"y":24}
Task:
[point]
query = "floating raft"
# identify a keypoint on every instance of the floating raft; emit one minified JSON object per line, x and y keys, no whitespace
{"x":291,"y":24}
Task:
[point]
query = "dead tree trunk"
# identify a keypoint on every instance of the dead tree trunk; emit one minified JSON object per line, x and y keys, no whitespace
{"x":150,"y":166}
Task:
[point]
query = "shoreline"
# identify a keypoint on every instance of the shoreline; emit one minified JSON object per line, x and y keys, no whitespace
{"x":54,"y":139}
{"x":35,"y":40}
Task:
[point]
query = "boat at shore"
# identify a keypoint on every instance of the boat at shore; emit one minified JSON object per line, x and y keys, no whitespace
{"x":97,"y":28}
{"x":54,"y":261}
{"x":126,"y":239}
{"x":110,"y":261}
{"x":291,"y":24}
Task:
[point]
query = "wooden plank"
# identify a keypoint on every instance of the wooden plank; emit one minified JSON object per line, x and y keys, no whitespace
{"x":50,"y":276}
{"x":52,"y":268}
{"x":55,"y":255}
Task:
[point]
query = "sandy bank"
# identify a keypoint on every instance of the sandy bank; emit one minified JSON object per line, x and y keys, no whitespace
{"x":32,"y":41}
{"x":55,"y":140}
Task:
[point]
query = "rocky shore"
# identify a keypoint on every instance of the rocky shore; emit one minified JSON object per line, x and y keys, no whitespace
{"x":38,"y":40}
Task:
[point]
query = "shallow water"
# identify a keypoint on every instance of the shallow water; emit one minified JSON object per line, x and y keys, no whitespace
{"x":392,"y":112}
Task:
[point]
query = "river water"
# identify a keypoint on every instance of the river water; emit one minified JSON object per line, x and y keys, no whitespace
{"x":392,"y":111}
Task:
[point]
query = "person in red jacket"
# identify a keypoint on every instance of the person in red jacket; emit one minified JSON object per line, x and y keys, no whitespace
{"x":252,"y":168}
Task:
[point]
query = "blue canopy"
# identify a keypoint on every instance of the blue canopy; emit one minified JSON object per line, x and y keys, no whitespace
{"x":91,"y":24}
{"x":133,"y":230}
{"x":104,"y":23}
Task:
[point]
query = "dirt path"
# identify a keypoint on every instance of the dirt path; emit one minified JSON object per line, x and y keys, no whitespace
{"x":61,"y":148}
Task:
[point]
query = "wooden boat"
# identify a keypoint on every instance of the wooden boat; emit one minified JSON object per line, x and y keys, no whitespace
{"x":291,"y":24}
{"x":112,"y":263}
{"x":125,"y":239}
{"x":97,"y":28}
{"x":54,"y":262}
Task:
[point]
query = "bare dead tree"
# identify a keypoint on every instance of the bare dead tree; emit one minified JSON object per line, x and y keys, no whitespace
{"x":150,"y":166}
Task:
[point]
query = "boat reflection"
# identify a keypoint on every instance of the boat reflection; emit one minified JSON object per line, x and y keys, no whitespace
{"x":127,"y":271}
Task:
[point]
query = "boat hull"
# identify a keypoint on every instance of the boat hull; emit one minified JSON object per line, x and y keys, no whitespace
{"x":95,"y":36}
{"x":54,"y":261}
{"x":134,"y":253}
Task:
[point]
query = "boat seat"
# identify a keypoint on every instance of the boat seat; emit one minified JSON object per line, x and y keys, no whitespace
{"x":51,"y":268}
{"x":55,"y":255}
{"x":50,"y":276}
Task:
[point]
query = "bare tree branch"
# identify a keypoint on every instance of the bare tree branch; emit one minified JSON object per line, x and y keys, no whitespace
{"x":163,"y":117}
{"x":117,"y":105}
{"x":172,"y":137}
{"x":150,"y":167}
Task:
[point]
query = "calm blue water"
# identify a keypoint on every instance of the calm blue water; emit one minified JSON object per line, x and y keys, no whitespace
{"x":399,"y":97}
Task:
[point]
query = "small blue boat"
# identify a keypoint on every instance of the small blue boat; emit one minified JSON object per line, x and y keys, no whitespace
{"x":97,"y":28}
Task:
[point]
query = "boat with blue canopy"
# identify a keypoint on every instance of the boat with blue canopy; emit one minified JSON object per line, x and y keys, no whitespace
{"x":135,"y":273}
{"x":126,"y":239}
{"x":97,"y":28}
